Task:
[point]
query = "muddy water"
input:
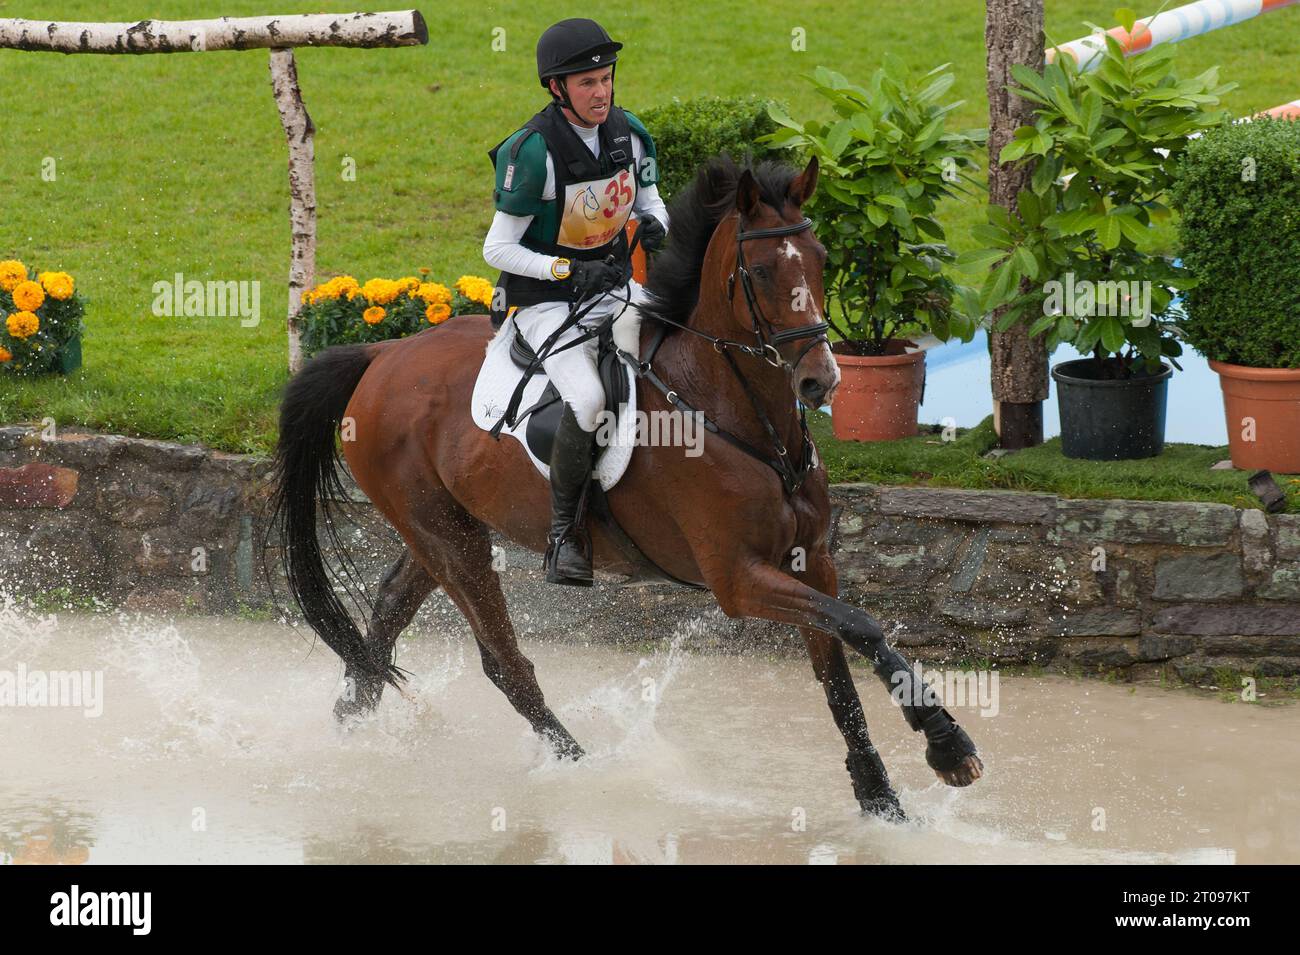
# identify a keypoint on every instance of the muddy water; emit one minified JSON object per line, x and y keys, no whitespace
{"x":216,"y":744}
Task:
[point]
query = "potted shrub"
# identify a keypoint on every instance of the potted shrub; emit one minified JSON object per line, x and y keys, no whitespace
{"x":886,"y":161}
{"x":42,"y":321}
{"x":1076,"y":260}
{"x":1237,"y":193}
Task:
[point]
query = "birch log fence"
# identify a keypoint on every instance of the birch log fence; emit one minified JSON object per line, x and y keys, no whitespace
{"x":279,"y":34}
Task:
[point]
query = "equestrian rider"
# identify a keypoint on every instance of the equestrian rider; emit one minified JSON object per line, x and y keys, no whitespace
{"x":563,"y":198}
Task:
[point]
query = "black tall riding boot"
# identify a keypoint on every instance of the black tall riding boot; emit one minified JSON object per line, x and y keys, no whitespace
{"x":568,"y":547}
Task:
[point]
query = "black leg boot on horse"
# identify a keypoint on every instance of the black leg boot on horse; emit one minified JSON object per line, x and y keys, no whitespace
{"x":568,"y":546}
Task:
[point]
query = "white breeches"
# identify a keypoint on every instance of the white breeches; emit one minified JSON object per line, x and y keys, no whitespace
{"x":574,"y":370}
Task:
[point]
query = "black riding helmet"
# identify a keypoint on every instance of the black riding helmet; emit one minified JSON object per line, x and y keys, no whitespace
{"x":574,"y":46}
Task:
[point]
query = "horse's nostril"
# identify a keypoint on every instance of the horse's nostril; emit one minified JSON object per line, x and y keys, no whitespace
{"x":811,"y":389}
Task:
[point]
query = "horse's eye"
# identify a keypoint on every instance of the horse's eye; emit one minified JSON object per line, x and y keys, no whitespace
{"x":760,"y":272}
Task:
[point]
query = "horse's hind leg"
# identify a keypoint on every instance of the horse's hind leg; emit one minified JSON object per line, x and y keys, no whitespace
{"x":404,"y":587}
{"x":457,"y":552}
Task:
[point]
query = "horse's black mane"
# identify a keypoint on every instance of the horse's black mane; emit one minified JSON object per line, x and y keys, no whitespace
{"x":674,"y":279}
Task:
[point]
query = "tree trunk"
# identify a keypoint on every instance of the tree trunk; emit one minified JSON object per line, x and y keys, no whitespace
{"x":1013,"y":33}
{"x":405,"y":28}
{"x":299,"y":130}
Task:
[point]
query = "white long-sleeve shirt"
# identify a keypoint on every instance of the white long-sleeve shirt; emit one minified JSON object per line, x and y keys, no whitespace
{"x":502,"y":248}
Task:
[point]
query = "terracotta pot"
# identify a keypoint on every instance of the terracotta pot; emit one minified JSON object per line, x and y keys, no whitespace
{"x":878,"y":396}
{"x":1270,"y":396}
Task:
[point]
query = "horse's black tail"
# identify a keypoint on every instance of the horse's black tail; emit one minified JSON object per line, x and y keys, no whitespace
{"x":306,"y":480}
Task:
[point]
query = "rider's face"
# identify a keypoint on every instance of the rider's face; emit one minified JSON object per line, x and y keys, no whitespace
{"x":591,"y":93}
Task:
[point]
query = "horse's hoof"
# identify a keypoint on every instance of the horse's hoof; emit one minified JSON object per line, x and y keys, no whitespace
{"x":568,"y":749}
{"x":950,"y":752}
{"x":346,"y":709}
{"x":970,"y":770}
{"x":886,"y":808}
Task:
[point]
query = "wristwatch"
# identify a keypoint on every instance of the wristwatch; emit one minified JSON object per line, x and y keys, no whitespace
{"x":560,"y":269}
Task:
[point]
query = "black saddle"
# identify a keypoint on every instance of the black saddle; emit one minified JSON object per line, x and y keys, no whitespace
{"x":544,"y":416}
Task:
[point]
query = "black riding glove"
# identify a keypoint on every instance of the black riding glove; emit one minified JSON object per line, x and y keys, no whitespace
{"x":652,"y":234}
{"x":591,"y":277}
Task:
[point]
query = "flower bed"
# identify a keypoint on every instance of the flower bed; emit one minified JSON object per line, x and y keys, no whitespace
{"x":344,"y":311}
{"x":42,"y":321}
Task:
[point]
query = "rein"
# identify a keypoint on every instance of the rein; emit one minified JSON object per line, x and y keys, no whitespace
{"x":768,"y":339}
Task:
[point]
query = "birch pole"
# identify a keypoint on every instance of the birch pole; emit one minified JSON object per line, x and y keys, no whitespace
{"x":1013,"y":34}
{"x":279,"y":34}
{"x":406,"y":28}
{"x":298,"y":129}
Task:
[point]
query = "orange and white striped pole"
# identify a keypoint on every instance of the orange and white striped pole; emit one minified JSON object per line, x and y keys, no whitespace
{"x":1170,"y":26}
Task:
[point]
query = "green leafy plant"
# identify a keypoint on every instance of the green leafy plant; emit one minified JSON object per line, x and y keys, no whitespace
{"x":1074,"y":261}
{"x":687,"y":133}
{"x":1237,"y":191}
{"x":886,"y":161}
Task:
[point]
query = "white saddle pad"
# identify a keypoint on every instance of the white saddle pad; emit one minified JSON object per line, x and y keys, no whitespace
{"x":496,"y":382}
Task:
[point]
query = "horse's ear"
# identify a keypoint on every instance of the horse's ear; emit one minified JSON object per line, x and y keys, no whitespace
{"x":804,"y":184}
{"x":747,"y":194}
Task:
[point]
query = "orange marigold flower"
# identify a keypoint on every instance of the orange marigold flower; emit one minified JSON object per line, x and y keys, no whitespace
{"x":433,"y":293}
{"x":58,"y":285}
{"x":373,"y":315}
{"x":28,"y":296}
{"x":23,"y":324}
{"x":381,"y":291}
{"x":11,"y":273}
{"x":437,"y":313}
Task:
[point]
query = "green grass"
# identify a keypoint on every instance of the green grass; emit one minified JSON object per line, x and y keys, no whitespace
{"x":1181,"y":473}
{"x":177,"y":163}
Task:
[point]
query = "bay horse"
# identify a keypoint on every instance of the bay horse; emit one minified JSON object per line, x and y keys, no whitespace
{"x":731,"y":519}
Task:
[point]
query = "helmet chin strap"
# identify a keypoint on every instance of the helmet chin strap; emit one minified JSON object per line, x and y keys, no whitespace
{"x":567,"y":103}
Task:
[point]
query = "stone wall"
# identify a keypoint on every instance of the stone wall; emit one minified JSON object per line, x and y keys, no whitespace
{"x":1033,"y":577}
{"x":952,"y":574}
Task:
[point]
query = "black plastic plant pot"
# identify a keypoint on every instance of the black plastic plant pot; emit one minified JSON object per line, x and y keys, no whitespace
{"x":1110,"y":420}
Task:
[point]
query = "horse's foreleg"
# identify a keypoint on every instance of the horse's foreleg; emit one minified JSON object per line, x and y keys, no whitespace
{"x":866,"y":769}
{"x":758,"y":589}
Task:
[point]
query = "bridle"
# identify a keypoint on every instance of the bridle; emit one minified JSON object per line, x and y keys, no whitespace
{"x":771,"y":340}
{"x":767,"y":348}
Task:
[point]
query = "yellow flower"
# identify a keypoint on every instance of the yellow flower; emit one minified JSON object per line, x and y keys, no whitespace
{"x":408,"y":284}
{"x":381,"y":291}
{"x":59,"y":285}
{"x":437,"y":313}
{"x":5,"y":354}
{"x":373,"y":315}
{"x":28,"y":296}
{"x":353,"y":293}
{"x":475,"y":289}
{"x":424,"y":271}
{"x":11,"y":273}
{"x":308,"y":297}
{"x":337,"y":286}
{"x":433,"y":293}
{"x":23,"y":324}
